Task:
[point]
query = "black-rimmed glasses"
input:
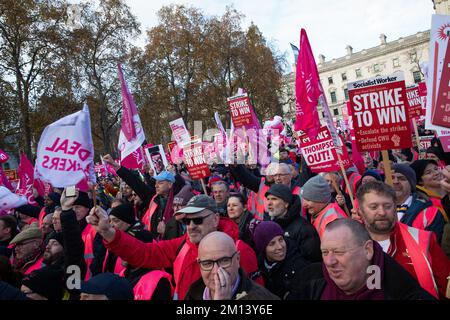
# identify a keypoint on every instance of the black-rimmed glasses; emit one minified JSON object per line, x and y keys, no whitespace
{"x":224,"y":262}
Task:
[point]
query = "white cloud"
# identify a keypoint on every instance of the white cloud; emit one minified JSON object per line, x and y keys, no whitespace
{"x":331,"y":25}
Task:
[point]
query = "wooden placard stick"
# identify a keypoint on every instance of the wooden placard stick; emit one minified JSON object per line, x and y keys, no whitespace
{"x":203,"y":185}
{"x":338,"y":192}
{"x":387,"y":167}
{"x":416,"y":131}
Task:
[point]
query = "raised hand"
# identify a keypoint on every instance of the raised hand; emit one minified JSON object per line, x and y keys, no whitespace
{"x":67,"y":202}
{"x":108,"y":159}
{"x":99,"y":219}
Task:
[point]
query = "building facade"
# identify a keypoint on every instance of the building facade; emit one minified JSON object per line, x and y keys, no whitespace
{"x":388,"y":57}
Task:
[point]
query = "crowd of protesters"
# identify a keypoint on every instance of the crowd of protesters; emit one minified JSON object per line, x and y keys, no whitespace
{"x":288,"y":234}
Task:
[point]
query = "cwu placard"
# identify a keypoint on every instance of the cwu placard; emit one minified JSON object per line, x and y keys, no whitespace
{"x":379,"y":109}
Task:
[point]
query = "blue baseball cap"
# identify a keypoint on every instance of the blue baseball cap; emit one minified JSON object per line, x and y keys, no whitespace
{"x":165,"y":176}
{"x":109,"y":284}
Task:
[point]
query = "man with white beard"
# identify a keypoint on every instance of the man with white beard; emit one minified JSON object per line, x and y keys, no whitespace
{"x":284,"y":209}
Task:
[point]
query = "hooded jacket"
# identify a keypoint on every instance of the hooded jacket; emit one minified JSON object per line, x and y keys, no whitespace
{"x":300,"y":231}
{"x":163,"y":254}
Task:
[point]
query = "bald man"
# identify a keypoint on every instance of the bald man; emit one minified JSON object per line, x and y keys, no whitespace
{"x":222,"y":278}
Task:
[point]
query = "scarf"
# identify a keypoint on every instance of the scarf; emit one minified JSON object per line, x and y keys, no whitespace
{"x":333,"y":292}
{"x":19,"y":264}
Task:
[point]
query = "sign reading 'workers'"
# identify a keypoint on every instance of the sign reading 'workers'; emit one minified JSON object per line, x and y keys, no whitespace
{"x":379,"y":108}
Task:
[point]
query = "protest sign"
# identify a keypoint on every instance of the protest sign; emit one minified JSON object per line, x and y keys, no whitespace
{"x":321,"y":155}
{"x":3,"y":156}
{"x":11,"y":174}
{"x":425,"y":142}
{"x":438,"y":100}
{"x":179,"y":132}
{"x":414,"y":101}
{"x":380,"y":113}
{"x":423,"y":98}
{"x":156,"y":158}
{"x":241,"y":111}
{"x":5,"y":181}
{"x":195,"y":161}
{"x":65,"y":151}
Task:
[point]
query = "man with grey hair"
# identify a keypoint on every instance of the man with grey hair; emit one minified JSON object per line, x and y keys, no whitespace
{"x":222,"y":278}
{"x":356,"y":268}
{"x":221,"y":192}
{"x":276,"y":173}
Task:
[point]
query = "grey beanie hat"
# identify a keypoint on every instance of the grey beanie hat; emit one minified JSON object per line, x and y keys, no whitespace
{"x":316,"y":189}
{"x":408,"y":172}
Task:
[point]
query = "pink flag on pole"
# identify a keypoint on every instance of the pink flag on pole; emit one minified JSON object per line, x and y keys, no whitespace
{"x":131,"y":134}
{"x":3,"y":156}
{"x":4,"y":181}
{"x":307,"y":90}
{"x":26,"y":179}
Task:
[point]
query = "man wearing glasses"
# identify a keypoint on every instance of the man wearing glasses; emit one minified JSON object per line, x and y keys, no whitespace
{"x":222,"y":278}
{"x":201,"y":218}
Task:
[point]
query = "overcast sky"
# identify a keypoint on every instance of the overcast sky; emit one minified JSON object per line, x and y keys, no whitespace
{"x":330,"y":24}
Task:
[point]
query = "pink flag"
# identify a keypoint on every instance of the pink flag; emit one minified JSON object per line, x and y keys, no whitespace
{"x":131,"y":134}
{"x":42,"y":187}
{"x":307,"y":90}
{"x":3,"y":156}
{"x":26,"y":179}
{"x":4,"y":181}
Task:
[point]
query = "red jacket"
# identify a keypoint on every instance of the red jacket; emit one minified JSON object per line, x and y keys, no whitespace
{"x":162,"y":254}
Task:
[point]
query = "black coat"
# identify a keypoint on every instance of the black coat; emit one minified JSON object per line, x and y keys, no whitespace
{"x":397,"y":283}
{"x":301,"y":232}
{"x":73,"y":242}
{"x":286,"y":275}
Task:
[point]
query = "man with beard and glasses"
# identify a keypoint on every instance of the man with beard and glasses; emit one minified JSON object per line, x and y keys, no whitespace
{"x":416,"y":250}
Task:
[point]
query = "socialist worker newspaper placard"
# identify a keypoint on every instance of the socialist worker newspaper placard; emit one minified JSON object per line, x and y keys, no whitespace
{"x":379,"y":108}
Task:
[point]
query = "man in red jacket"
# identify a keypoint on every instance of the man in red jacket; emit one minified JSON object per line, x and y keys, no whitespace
{"x":201,"y":218}
{"x":414,"y":249}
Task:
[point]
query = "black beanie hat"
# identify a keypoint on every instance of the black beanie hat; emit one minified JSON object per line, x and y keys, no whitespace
{"x":29,"y":210}
{"x":47,"y":282}
{"x":58,"y":236}
{"x":55,"y":197}
{"x":419,"y":167}
{"x":124,"y":212}
{"x":83,"y":200}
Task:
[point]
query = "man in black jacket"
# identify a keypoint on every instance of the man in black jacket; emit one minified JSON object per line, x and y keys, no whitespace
{"x":356,"y":268}
{"x":284,"y":209}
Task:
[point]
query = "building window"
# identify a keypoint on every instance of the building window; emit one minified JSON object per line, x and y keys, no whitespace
{"x":330,"y":80}
{"x":358,"y":73}
{"x":333,"y":97}
{"x":336,"y":112}
{"x":417,"y":76}
{"x":396,"y":62}
{"x":344,"y":76}
{"x":376,"y":67}
{"x":413,"y":56}
{"x":346,"y":94}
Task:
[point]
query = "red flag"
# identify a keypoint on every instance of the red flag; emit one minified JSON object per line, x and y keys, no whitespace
{"x":26,"y":179}
{"x":3,"y":156}
{"x":307,"y":90}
